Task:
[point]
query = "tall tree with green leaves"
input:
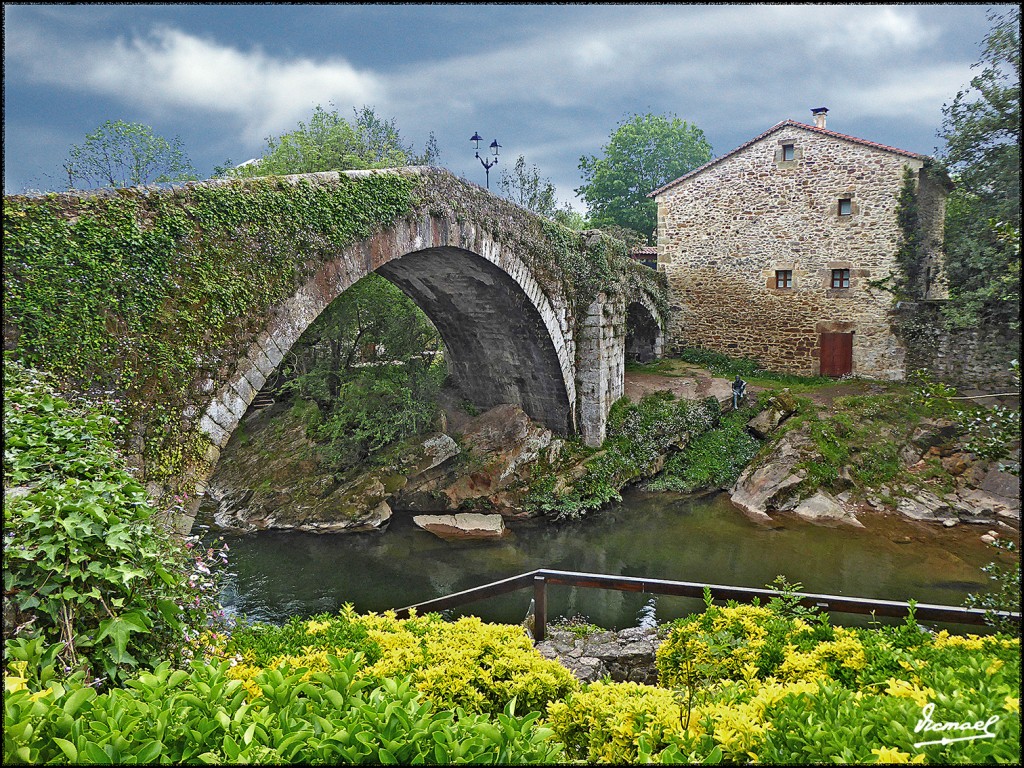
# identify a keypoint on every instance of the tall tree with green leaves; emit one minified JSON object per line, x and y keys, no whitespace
{"x":643,"y":152}
{"x":981,"y":128}
{"x":332,"y":142}
{"x":368,"y":363}
{"x":123,"y":154}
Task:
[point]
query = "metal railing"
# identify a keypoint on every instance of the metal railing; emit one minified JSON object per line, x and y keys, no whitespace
{"x":540,"y":578}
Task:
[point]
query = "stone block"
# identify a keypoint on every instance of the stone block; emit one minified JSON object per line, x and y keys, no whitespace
{"x":244,"y":389}
{"x":221,"y":415}
{"x":235,"y":404}
{"x":217,"y":434}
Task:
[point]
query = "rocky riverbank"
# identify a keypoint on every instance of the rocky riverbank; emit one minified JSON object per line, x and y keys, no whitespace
{"x":830,"y":457}
{"x":924,"y":469}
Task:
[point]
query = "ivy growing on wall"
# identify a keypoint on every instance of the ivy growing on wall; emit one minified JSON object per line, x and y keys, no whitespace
{"x":138,"y":291}
{"x":910,"y":254}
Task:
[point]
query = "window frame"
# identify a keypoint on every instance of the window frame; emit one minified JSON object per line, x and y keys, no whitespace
{"x":790,"y":150}
{"x":840,"y":279}
{"x":849,"y":205}
{"x":784,"y":279}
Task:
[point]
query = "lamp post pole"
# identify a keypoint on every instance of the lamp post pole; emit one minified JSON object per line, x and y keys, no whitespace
{"x":476,"y":139}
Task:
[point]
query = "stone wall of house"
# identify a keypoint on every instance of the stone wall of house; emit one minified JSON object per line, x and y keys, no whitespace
{"x":724,"y":232}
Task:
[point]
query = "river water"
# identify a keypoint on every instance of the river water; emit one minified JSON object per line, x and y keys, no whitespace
{"x":275,"y":575}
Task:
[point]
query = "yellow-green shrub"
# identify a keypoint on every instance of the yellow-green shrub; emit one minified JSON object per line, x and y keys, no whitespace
{"x":715,"y":645}
{"x":467,"y":663}
{"x":605,"y":722}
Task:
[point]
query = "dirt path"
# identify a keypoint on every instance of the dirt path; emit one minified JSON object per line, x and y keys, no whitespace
{"x":695,"y":383}
{"x":688,"y":382}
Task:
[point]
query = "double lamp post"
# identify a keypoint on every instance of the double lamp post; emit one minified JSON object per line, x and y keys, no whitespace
{"x":486,"y":164}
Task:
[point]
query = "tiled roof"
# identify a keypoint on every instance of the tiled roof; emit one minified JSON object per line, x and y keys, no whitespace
{"x":646,"y":250}
{"x":779,"y":126}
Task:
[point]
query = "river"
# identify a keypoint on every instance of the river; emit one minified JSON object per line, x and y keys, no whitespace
{"x":273,"y":575}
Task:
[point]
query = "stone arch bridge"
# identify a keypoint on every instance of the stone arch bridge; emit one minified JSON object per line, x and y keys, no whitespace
{"x":530,"y":313}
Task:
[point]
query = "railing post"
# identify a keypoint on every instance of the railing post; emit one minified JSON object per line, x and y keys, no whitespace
{"x":540,"y":608}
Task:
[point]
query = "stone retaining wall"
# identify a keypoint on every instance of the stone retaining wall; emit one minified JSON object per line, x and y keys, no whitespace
{"x":975,"y":358}
{"x":625,"y":656}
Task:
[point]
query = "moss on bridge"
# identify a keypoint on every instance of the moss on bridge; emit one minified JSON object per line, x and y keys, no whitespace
{"x":143,"y":294}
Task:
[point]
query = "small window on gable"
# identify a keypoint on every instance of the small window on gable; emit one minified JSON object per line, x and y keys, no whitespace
{"x":840,"y":278}
{"x":788,"y":152}
{"x":845,"y":206}
{"x":783,"y":278}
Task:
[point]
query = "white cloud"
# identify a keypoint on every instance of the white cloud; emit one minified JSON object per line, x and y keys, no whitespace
{"x":171,"y":70}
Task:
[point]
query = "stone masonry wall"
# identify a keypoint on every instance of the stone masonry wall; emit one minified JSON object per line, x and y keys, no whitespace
{"x":724,"y":232}
{"x":971,"y":359}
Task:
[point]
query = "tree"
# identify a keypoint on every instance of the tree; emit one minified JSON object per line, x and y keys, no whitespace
{"x":368,"y":364}
{"x":330,"y":142}
{"x":526,"y":188}
{"x":643,"y":153}
{"x":121,"y":154}
{"x":981,"y":128}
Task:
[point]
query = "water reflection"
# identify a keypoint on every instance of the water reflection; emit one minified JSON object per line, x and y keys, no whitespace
{"x":275,"y":575}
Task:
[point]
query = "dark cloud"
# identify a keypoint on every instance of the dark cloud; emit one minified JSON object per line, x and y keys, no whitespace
{"x":550,"y":82}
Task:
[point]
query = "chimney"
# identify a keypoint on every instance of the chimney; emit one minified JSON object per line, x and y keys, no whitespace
{"x":819,"y":116}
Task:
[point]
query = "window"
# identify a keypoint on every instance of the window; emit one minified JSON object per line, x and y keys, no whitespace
{"x":783,"y":278}
{"x":788,"y":152}
{"x":840,"y":278}
{"x":845,"y":206}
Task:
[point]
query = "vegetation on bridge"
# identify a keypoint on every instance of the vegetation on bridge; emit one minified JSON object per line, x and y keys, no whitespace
{"x":144,"y":294}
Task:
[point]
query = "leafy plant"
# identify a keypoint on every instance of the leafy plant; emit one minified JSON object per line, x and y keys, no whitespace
{"x":84,"y":566}
{"x":1005,"y":592}
{"x":713,"y":459}
{"x":643,"y":153}
{"x":638,"y":433}
{"x":201,"y":715}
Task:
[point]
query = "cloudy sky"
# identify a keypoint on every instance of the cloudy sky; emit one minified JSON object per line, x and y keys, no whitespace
{"x":550,"y":82}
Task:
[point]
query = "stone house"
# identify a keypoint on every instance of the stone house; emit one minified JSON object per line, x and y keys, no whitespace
{"x":776,"y":250}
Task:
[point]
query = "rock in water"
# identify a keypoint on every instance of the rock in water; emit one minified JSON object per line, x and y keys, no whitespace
{"x":465,"y":525}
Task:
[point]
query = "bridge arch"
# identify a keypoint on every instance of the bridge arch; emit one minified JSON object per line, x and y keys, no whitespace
{"x":532,"y":313}
{"x":645,"y":336}
{"x":507,"y":340}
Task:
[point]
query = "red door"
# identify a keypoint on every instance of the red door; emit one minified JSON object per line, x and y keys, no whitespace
{"x":836,"y":354}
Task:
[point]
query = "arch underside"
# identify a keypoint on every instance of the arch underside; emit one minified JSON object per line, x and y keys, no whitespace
{"x":497,"y":345}
{"x":643,"y":334}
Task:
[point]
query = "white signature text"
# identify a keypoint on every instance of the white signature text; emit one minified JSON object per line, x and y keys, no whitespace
{"x":927,"y":725}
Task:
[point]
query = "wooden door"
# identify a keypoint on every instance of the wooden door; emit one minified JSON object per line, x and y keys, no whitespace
{"x":836,"y":354}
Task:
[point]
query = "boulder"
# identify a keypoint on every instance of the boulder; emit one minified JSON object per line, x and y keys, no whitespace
{"x":925,"y":506}
{"x":500,"y":447}
{"x":465,"y":525}
{"x":934,"y":433}
{"x":779,"y":408}
{"x":768,"y":485}
{"x":627,"y":655}
{"x":1003,"y":484}
{"x":824,"y":507}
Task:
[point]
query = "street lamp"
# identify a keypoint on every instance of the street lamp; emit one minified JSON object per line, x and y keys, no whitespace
{"x":494,"y":151}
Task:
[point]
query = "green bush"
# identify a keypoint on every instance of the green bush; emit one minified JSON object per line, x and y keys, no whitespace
{"x":84,"y":566}
{"x":605,"y":722}
{"x":202,"y":715}
{"x":765,"y":684}
{"x":638,"y":433}
{"x":711,"y":460}
{"x":467,"y":663}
